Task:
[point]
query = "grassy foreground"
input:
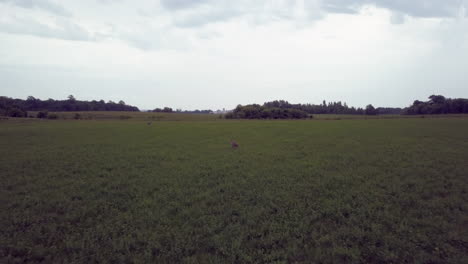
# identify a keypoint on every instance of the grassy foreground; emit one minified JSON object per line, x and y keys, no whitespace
{"x":348,"y":191}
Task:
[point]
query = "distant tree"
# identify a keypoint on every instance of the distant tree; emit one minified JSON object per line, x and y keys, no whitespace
{"x":323,"y":108}
{"x":16,"y":112}
{"x":275,"y":110}
{"x":52,"y":116}
{"x":42,"y":114}
{"x":437,"y":99}
{"x":164,"y":110}
{"x":196,"y":111}
{"x":438,"y":104}
{"x":389,"y":110}
{"x":32,"y":103}
{"x":71,"y":104}
{"x":370,"y":110}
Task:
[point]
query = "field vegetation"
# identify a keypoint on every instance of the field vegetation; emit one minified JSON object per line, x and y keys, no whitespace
{"x":323,"y":191}
{"x":131,"y":116}
{"x":162,"y":116}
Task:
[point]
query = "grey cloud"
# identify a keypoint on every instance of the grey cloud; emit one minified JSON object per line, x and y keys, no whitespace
{"x":423,"y":8}
{"x":196,"y":13}
{"x":415,"y":8}
{"x":343,"y":9}
{"x":204,"y":17}
{"x":397,"y":18}
{"x":181,"y":4}
{"x":152,"y":38}
{"x":45,"y":5}
{"x":66,"y":30}
{"x":109,"y":1}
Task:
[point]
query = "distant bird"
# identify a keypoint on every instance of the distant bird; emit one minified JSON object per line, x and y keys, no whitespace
{"x":150,"y":123}
{"x":234,"y":144}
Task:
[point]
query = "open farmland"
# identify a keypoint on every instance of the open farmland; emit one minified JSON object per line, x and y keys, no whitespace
{"x":152,"y":116}
{"x":133,"y":116}
{"x":330,"y":191}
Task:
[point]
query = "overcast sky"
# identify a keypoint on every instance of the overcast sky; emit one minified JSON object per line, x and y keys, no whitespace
{"x":200,"y":54}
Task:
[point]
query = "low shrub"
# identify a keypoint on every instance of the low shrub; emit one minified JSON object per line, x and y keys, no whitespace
{"x":16,"y":112}
{"x":42,"y":114}
{"x":52,"y":116}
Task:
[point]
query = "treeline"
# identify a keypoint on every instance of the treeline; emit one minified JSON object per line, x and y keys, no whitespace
{"x":284,"y":110}
{"x":19,"y":108}
{"x":324,"y":108}
{"x":256,"y":111}
{"x":279,"y":109}
{"x":337,"y":108}
{"x":170,"y":110}
{"x":438,"y":104}
{"x":208,"y":111}
{"x":163,"y":110}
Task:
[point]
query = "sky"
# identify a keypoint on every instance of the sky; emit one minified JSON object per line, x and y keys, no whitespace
{"x":214,"y":54}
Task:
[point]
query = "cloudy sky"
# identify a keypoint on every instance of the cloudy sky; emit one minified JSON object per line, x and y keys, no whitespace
{"x":199,"y":54}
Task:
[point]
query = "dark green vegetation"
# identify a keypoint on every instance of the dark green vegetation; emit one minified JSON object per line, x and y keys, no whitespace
{"x":438,"y":104}
{"x":130,"y":116}
{"x":123,"y":191}
{"x":179,"y":111}
{"x":33,"y":107}
{"x":263,"y":112}
{"x":19,"y":108}
{"x":163,"y":116}
{"x":284,"y":110}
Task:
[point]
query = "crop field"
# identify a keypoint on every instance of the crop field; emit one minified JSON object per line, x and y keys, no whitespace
{"x":310,"y":191}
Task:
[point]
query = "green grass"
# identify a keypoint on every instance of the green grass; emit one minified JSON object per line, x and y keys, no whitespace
{"x":156,"y":117}
{"x":347,"y":191}
{"x":132,"y":116}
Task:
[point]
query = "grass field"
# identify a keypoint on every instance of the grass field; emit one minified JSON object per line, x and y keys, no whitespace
{"x":335,"y":191}
{"x":133,"y":116}
{"x":155,"y":117}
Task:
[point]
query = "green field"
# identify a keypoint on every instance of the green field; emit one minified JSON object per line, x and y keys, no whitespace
{"x":155,"y":117}
{"x":311,"y":191}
